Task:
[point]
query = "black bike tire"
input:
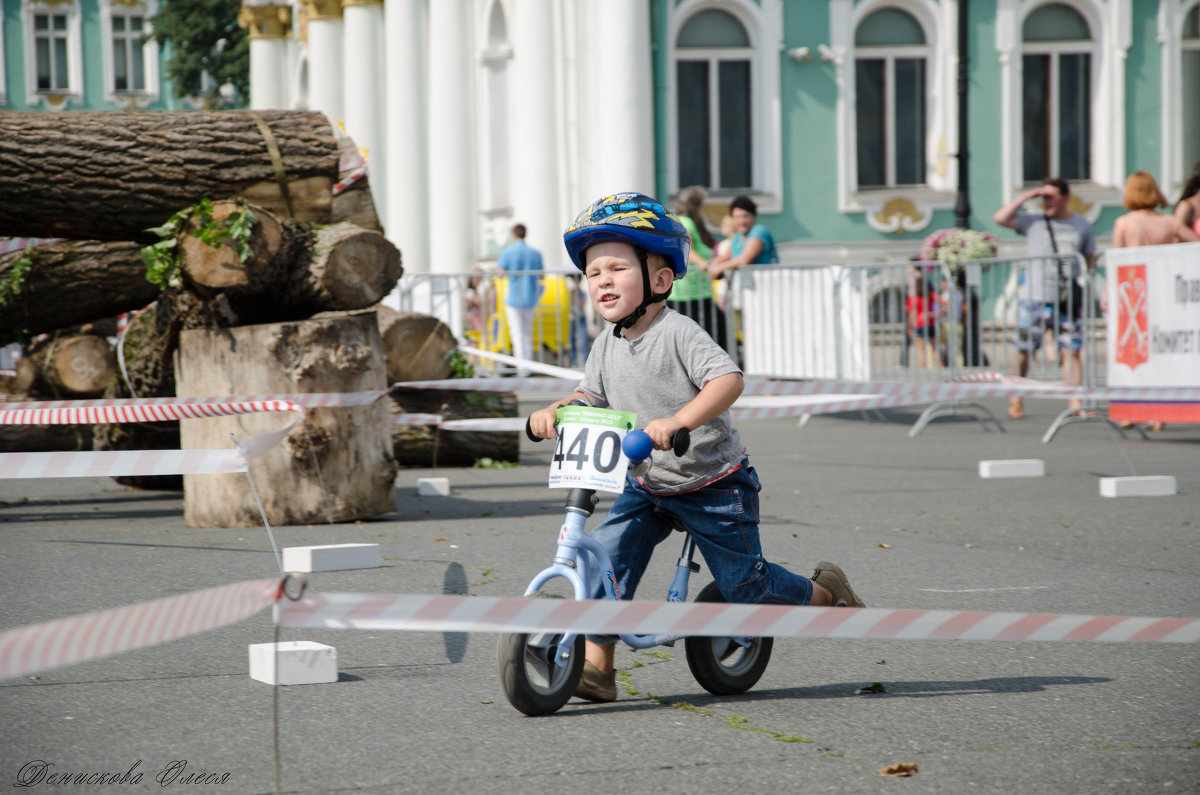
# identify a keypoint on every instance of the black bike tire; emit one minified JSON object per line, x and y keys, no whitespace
{"x":532,"y":697}
{"x":711,"y":671}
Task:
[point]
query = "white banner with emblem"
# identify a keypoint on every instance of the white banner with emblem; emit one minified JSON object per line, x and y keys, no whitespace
{"x":1154,"y":327}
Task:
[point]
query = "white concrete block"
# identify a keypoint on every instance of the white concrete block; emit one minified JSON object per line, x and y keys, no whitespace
{"x":1144,"y":486}
{"x":332,"y":557}
{"x":300,"y":662}
{"x":433,"y":487}
{"x":1013,"y":468}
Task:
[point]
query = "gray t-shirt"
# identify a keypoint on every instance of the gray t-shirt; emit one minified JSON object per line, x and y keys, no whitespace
{"x":655,"y":376}
{"x":1071,"y":234}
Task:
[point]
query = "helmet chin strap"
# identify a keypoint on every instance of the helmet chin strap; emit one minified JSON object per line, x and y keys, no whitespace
{"x":647,"y":297}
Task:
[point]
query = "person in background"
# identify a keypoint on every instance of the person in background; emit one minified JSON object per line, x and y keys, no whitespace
{"x":1187,"y":209}
{"x":921,"y":309}
{"x":1053,"y":232}
{"x":693,"y":294}
{"x":522,"y":262}
{"x":1143,"y":225}
{"x":751,"y":243}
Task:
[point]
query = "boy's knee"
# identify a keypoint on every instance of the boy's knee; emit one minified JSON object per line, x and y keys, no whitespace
{"x":746,"y":585}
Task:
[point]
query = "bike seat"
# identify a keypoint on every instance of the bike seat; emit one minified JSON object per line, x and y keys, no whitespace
{"x":671,"y":519}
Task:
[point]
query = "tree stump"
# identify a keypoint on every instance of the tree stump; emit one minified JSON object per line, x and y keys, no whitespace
{"x":352,"y":445}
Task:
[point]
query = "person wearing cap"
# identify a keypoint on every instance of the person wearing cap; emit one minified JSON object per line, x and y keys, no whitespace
{"x":660,"y":365}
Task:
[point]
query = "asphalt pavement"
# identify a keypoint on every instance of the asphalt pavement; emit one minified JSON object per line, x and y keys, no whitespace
{"x":909,"y":519}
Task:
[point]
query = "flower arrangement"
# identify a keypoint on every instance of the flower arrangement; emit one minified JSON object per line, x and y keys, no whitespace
{"x":953,"y":246}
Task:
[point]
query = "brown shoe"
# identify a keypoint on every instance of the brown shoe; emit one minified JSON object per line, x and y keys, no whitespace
{"x":597,"y":686}
{"x":833,"y":579}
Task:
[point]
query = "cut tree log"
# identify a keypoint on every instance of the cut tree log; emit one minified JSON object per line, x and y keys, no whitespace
{"x":45,"y":438}
{"x":417,"y":346}
{"x":147,"y":349}
{"x":428,"y":446}
{"x":348,"y":268}
{"x":352,"y":444}
{"x":77,"y":366}
{"x":209,"y":270}
{"x":71,"y":282}
{"x":297,"y":270}
{"x":111,"y":175}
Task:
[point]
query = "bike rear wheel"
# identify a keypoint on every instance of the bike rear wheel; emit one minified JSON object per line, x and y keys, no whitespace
{"x":722,"y":666}
{"x":532,"y":681}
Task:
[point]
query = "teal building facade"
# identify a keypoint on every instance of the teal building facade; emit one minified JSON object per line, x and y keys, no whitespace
{"x":81,"y":55}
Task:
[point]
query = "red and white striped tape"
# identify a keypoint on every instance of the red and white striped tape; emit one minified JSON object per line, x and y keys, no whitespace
{"x":54,"y":644}
{"x":488,"y":614}
{"x":761,"y":400}
{"x":114,"y":463}
{"x":66,"y":641}
{"x":91,"y":412}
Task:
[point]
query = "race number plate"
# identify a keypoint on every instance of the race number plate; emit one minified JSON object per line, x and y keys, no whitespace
{"x":588,"y":451}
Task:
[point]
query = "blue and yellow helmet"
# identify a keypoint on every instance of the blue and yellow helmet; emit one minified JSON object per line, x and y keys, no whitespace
{"x":633,"y":218}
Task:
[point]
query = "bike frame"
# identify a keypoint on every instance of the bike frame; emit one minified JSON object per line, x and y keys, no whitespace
{"x":580,"y":559}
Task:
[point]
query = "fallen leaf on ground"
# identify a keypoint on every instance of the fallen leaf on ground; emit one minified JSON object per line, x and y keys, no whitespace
{"x":876,"y":687}
{"x":901,"y":769}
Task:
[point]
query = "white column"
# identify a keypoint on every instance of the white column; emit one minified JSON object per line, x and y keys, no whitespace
{"x":453,"y":219}
{"x":621,"y":150}
{"x":325,"y":58}
{"x":269,"y":25}
{"x":534,"y":129}
{"x":407,"y":217}
{"x":363,"y":92}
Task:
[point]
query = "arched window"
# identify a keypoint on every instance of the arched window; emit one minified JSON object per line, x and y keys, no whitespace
{"x":713,"y":67}
{"x":1189,"y":87}
{"x":890,"y":68}
{"x":1056,"y":90}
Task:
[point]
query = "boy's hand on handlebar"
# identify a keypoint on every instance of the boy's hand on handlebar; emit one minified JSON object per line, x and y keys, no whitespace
{"x":541,"y":422}
{"x":662,"y":430}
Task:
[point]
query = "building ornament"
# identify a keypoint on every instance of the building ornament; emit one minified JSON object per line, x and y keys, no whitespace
{"x":266,"y":21}
{"x":899,"y":214}
{"x":318,"y":10}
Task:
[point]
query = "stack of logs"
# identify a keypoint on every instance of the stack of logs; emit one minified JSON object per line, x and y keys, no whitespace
{"x":292,"y":312}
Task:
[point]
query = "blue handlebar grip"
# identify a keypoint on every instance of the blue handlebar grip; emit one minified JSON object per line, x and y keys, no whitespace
{"x":637,"y":445}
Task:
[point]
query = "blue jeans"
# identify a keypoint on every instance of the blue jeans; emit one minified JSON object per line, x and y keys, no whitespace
{"x":723,"y":519}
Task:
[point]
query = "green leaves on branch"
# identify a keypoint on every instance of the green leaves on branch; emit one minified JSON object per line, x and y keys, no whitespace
{"x":12,"y":282}
{"x":162,"y":258}
{"x":460,"y":366}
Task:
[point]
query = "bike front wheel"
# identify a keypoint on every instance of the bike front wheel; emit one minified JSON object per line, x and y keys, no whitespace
{"x":723,"y":666}
{"x":532,"y":681}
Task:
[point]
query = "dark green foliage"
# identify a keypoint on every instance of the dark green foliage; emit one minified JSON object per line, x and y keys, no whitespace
{"x":202,"y":36}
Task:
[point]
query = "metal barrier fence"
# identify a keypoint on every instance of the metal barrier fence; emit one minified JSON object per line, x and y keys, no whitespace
{"x":472,"y":305}
{"x":898,"y":321}
{"x":923,"y":321}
